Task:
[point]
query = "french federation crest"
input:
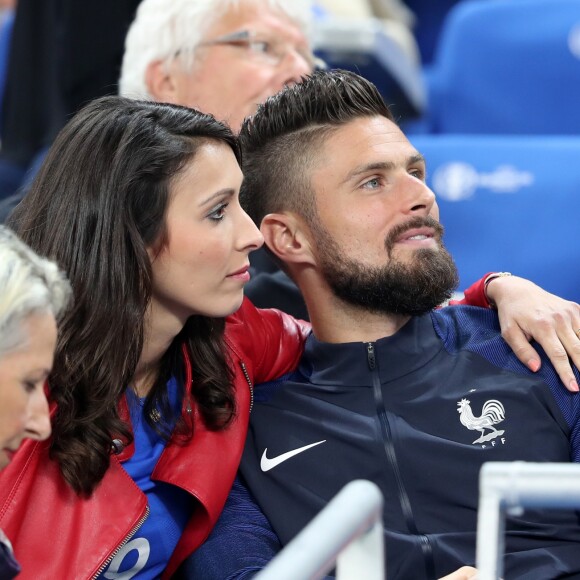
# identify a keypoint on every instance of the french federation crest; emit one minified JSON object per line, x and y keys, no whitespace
{"x":493,"y":412}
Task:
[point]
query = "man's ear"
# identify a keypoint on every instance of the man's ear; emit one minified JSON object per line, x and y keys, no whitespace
{"x":288,"y":237}
{"x":160,"y":82}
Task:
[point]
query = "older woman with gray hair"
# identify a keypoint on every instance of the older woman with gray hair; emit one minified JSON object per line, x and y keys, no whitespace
{"x":33,"y":294}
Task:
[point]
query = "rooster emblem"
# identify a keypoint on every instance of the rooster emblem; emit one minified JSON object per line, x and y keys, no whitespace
{"x":492,"y":413}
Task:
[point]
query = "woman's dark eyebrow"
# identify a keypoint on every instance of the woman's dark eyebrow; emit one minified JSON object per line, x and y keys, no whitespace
{"x":228,"y":192}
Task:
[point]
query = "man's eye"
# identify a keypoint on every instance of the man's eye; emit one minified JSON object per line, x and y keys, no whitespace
{"x":418,"y":173}
{"x":372,"y":183}
{"x":262,"y":46}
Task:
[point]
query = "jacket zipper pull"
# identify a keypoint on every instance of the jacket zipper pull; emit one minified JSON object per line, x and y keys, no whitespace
{"x":371,"y":355}
{"x":249,"y":381}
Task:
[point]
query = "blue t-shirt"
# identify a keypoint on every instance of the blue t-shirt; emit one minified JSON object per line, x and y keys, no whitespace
{"x":146,"y":554}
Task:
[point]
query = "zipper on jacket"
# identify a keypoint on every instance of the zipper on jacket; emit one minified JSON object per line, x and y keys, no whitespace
{"x":389,"y":447}
{"x":123,"y":543}
{"x":371,"y":357}
{"x":246,"y":374}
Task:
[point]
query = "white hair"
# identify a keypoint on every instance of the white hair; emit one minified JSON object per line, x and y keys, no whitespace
{"x":164,"y":28}
{"x":29,"y":284}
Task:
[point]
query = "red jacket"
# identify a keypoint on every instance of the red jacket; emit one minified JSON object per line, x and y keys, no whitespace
{"x":56,"y":534}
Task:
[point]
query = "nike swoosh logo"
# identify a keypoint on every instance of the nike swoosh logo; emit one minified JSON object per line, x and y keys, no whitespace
{"x":267,"y":464}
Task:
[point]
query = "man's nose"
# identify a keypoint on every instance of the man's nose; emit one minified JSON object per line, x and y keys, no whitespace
{"x":418,"y":197}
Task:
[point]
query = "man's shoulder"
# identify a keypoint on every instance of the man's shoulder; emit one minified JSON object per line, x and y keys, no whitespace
{"x":466,"y":323}
{"x":475,"y":330}
{"x":265,"y":392}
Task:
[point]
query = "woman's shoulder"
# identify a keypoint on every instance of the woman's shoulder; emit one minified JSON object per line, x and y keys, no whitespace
{"x":260,"y":334}
{"x":249,"y":319}
{"x":245,"y":327}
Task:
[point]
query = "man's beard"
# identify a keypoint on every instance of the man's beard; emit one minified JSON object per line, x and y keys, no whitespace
{"x":426,"y":281}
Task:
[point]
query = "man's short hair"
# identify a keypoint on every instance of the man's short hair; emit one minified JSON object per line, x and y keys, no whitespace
{"x":279,"y":142}
{"x":164,"y":29}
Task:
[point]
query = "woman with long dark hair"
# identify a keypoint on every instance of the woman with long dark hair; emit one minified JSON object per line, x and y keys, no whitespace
{"x":138,"y":203}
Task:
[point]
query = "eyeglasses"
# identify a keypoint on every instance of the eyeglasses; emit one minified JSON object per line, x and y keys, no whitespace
{"x":269,"y":51}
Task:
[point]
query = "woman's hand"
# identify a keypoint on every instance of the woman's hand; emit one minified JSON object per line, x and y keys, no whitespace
{"x":527,"y":312}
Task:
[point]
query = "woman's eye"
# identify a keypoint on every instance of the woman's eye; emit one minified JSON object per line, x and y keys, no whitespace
{"x":218,"y":213}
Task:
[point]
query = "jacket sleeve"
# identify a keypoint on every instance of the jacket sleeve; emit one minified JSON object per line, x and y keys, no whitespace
{"x":271,"y":339}
{"x":474,"y":295}
{"x":542,"y":561}
{"x":240,"y":545}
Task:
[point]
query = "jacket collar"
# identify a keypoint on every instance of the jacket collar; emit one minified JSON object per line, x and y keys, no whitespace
{"x":395,"y":356}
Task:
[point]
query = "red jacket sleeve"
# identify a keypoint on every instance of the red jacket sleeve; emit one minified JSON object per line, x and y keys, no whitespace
{"x":475,"y":295}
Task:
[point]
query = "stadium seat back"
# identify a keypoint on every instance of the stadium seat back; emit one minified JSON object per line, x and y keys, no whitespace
{"x":507,"y":67}
{"x":509,"y":203}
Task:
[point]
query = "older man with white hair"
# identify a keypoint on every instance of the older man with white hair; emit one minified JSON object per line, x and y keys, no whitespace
{"x":224,"y":57}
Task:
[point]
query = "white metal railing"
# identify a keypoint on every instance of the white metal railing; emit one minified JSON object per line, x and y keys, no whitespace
{"x":348,"y":531}
{"x":508,"y":487}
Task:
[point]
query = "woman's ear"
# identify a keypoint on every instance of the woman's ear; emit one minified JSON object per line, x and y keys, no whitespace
{"x":160,"y":82}
{"x":288,"y":237}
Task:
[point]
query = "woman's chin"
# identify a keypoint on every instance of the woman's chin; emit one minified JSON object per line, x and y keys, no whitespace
{"x":224,"y":309}
{"x":236,"y":306}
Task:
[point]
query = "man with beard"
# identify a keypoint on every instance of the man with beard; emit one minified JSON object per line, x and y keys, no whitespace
{"x":390,"y":388}
{"x":227,"y":56}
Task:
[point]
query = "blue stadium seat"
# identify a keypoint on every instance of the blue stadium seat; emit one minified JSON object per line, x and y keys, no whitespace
{"x":430,"y":18}
{"x":509,"y":203}
{"x":6,"y":25}
{"x":507,"y":67}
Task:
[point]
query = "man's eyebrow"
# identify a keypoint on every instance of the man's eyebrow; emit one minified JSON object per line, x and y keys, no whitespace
{"x":382,"y":166}
{"x":417,"y":158}
{"x":227,"y":192}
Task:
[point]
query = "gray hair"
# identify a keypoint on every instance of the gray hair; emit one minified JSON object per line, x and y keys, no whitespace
{"x":29,"y":284}
{"x":164,"y":28}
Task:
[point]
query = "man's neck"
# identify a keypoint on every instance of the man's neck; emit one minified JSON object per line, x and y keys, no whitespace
{"x":336,"y":321}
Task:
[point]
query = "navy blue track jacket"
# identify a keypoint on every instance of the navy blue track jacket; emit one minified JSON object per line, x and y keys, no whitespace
{"x":418,"y":413}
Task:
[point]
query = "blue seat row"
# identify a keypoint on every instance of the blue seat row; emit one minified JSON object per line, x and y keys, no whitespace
{"x":509,"y":203}
{"x":506,"y":67}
